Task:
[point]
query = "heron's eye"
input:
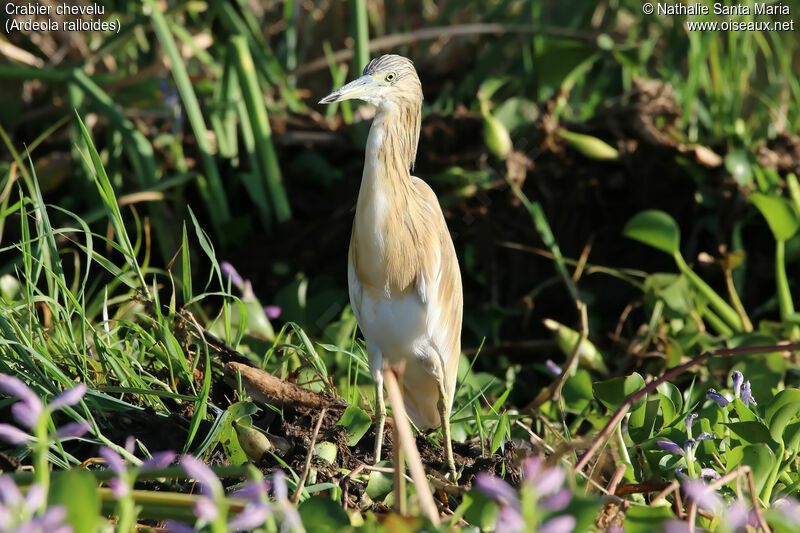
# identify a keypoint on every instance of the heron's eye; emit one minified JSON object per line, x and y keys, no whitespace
{"x":391,"y":76}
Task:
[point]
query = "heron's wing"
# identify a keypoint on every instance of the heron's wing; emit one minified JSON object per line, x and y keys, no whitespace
{"x":440,"y":288}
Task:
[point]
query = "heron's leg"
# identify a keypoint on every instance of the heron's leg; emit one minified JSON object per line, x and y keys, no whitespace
{"x":444,"y":415}
{"x":380,"y":418}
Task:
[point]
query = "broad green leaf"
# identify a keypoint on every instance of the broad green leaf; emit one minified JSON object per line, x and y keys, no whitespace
{"x":781,"y":418}
{"x":654,"y":228}
{"x":380,"y":483}
{"x":480,"y":510}
{"x":757,"y":456}
{"x":613,"y":392}
{"x":784,"y":397}
{"x":671,"y":402}
{"x":577,"y":391}
{"x":642,"y":421}
{"x":739,"y":164}
{"x":641,"y":519}
{"x":781,"y":215}
{"x":752,"y":432}
{"x":320,"y":513}
{"x":355,"y":422}
{"x":77,"y":491}
{"x":742,"y":411}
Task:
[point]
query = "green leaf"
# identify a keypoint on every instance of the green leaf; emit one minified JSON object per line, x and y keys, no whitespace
{"x":784,"y":397}
{"x":742,"y":411}
{"x":577,"y":391}
{"x":320,"y":513}
{"x":77,"y":491}
{"x":654,"y":228}
{"x":613,"y":392}
{"x":640,"y":519}
{"x":380,"y":483}
{"x":758,"y":457}
{"x":739,"y":164}
{"x":671,"y":402}
{"x":642,"y":421}
{"x":752,"y":432}
{"x":355,"y":422}
{"x":781,"y":215}
{"x":480,"y":510}
{"x":781,"y":418}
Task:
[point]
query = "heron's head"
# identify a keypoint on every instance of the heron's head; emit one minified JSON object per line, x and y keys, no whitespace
{"x":387,"y":80}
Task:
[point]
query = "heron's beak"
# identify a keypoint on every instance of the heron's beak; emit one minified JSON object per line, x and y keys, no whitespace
{"x":363,"y":86}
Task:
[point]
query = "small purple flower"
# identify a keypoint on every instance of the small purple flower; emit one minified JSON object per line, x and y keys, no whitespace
{"x":709,"y":473}
{"x":159,"y":460}
{"x":496,"y":489}
{"x":509,"y":519}
{"x":552,"y":367}
{"x":702,"y":495}
{"x":113,"y":460}
{"x":721,"y":400}
{"x":252,"y":516}
{"x":747,"y":394}
{"x":27,"y":411}
{"x":279,"y":489}
{"x":689,"y":446}
{"x":206,"y":509}
{"x":736,"y":516}
{"x":690,"y":418}
{"x":13,"y":435}
{"x":559,"y":524}
{"x":72,"y":430}
{"x":789,"y":507}
{"x":670,"y":447}
{"x":532,"y":467}
{"x":9,"y":493}
{"x":705,"y":436}
{"x":738,"y":379}
{"x":558,"y":501}
{"x":229,"y":272}
{"x":272,"y":311}
{"x":676,"y":526}
{"x":118,"y":487}
{"x":26,"y":414}
{"x":68,"y":397}
{"x":549,"y":481}
{"x":253,"y":491}
{"x":199,"y":471}
{"x":178,"y":527}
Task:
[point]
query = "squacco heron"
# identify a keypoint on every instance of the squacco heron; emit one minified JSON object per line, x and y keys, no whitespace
{"x":403,"y":276}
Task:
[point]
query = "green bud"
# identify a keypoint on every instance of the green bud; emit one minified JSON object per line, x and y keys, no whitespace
{"x":588,"y":355}
{"x":591,"y":147}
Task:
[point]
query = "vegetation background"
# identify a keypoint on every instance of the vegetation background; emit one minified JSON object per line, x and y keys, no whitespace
{"x":174,"y":202}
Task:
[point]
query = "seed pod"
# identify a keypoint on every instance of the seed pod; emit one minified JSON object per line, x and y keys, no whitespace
{"x":254,"y":443}
{"x":496,"y":137}
{"x":588,"y":355}
{"x":591,"y":147}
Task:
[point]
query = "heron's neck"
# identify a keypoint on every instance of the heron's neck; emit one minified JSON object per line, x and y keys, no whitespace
{"x":392,"y":147}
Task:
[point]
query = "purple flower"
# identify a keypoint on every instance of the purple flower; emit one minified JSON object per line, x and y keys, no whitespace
{"x":747,"y":395}
{"x":532,"y":466}
{"x":253,"y":491}
{"x":549,"y":481}
{"x":690,"y":418}
{"x":509,"y":519}
{"x":279,"y":489}
{"x":27,"y":411}
{"x":721,"y":400}
{"x":73,"y":430}
{"x":206,"y":509}
{"x":68,"y":397}
{"x":738,"y":378}
{"x":26,"y":414}
{"x":13,"y":435}
{"x":702,"y":495}
{"x":119,"y":488}
{"x":229,"y":272}
{"x":496,"y":489}
{"x":709,"y":473}
{"x":789,"y":507}
{"x":272,"y":311}
{"x":113,"y":460}
{"x":178,"y":527}
{"x":552,"y":367}
{"x":736,"y":516}
{"x":252,"y":516}
{"x":558,"y":501}
{"x":689,"y":446}
{"x":705,"y":436}
{"x":670,"y":447}
{"x":199,"y":471}
{"x":159,"y":460}
{"x":559,"y":524}
{"x":676,"y":526}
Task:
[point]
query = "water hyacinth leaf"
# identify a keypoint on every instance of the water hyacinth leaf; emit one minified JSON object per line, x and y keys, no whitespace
{"x":590,"y":146}
{"x":77,"y":491}
{"x":654,"y":228}
{"x":671,"y":402}
{"x":791,"y":436}
{"x":752,"y":432}
{"x":480,"y":510}
{"x":784,"y":397}
{"x":320,"y":513}
{"x":356,"y":423}
{"x":380,"y":483}
{"x":757,"y":456}
{"x":739,"y":164}
{"x":781,"y":418}
{"x":641,"y":519}
{"x":613,"y":392}
{"x":230,"y":443}
{"x":781,"y":216}
{"x":742,"y":411}
{"x":577,"y":391}
{"x":643,"y":420}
